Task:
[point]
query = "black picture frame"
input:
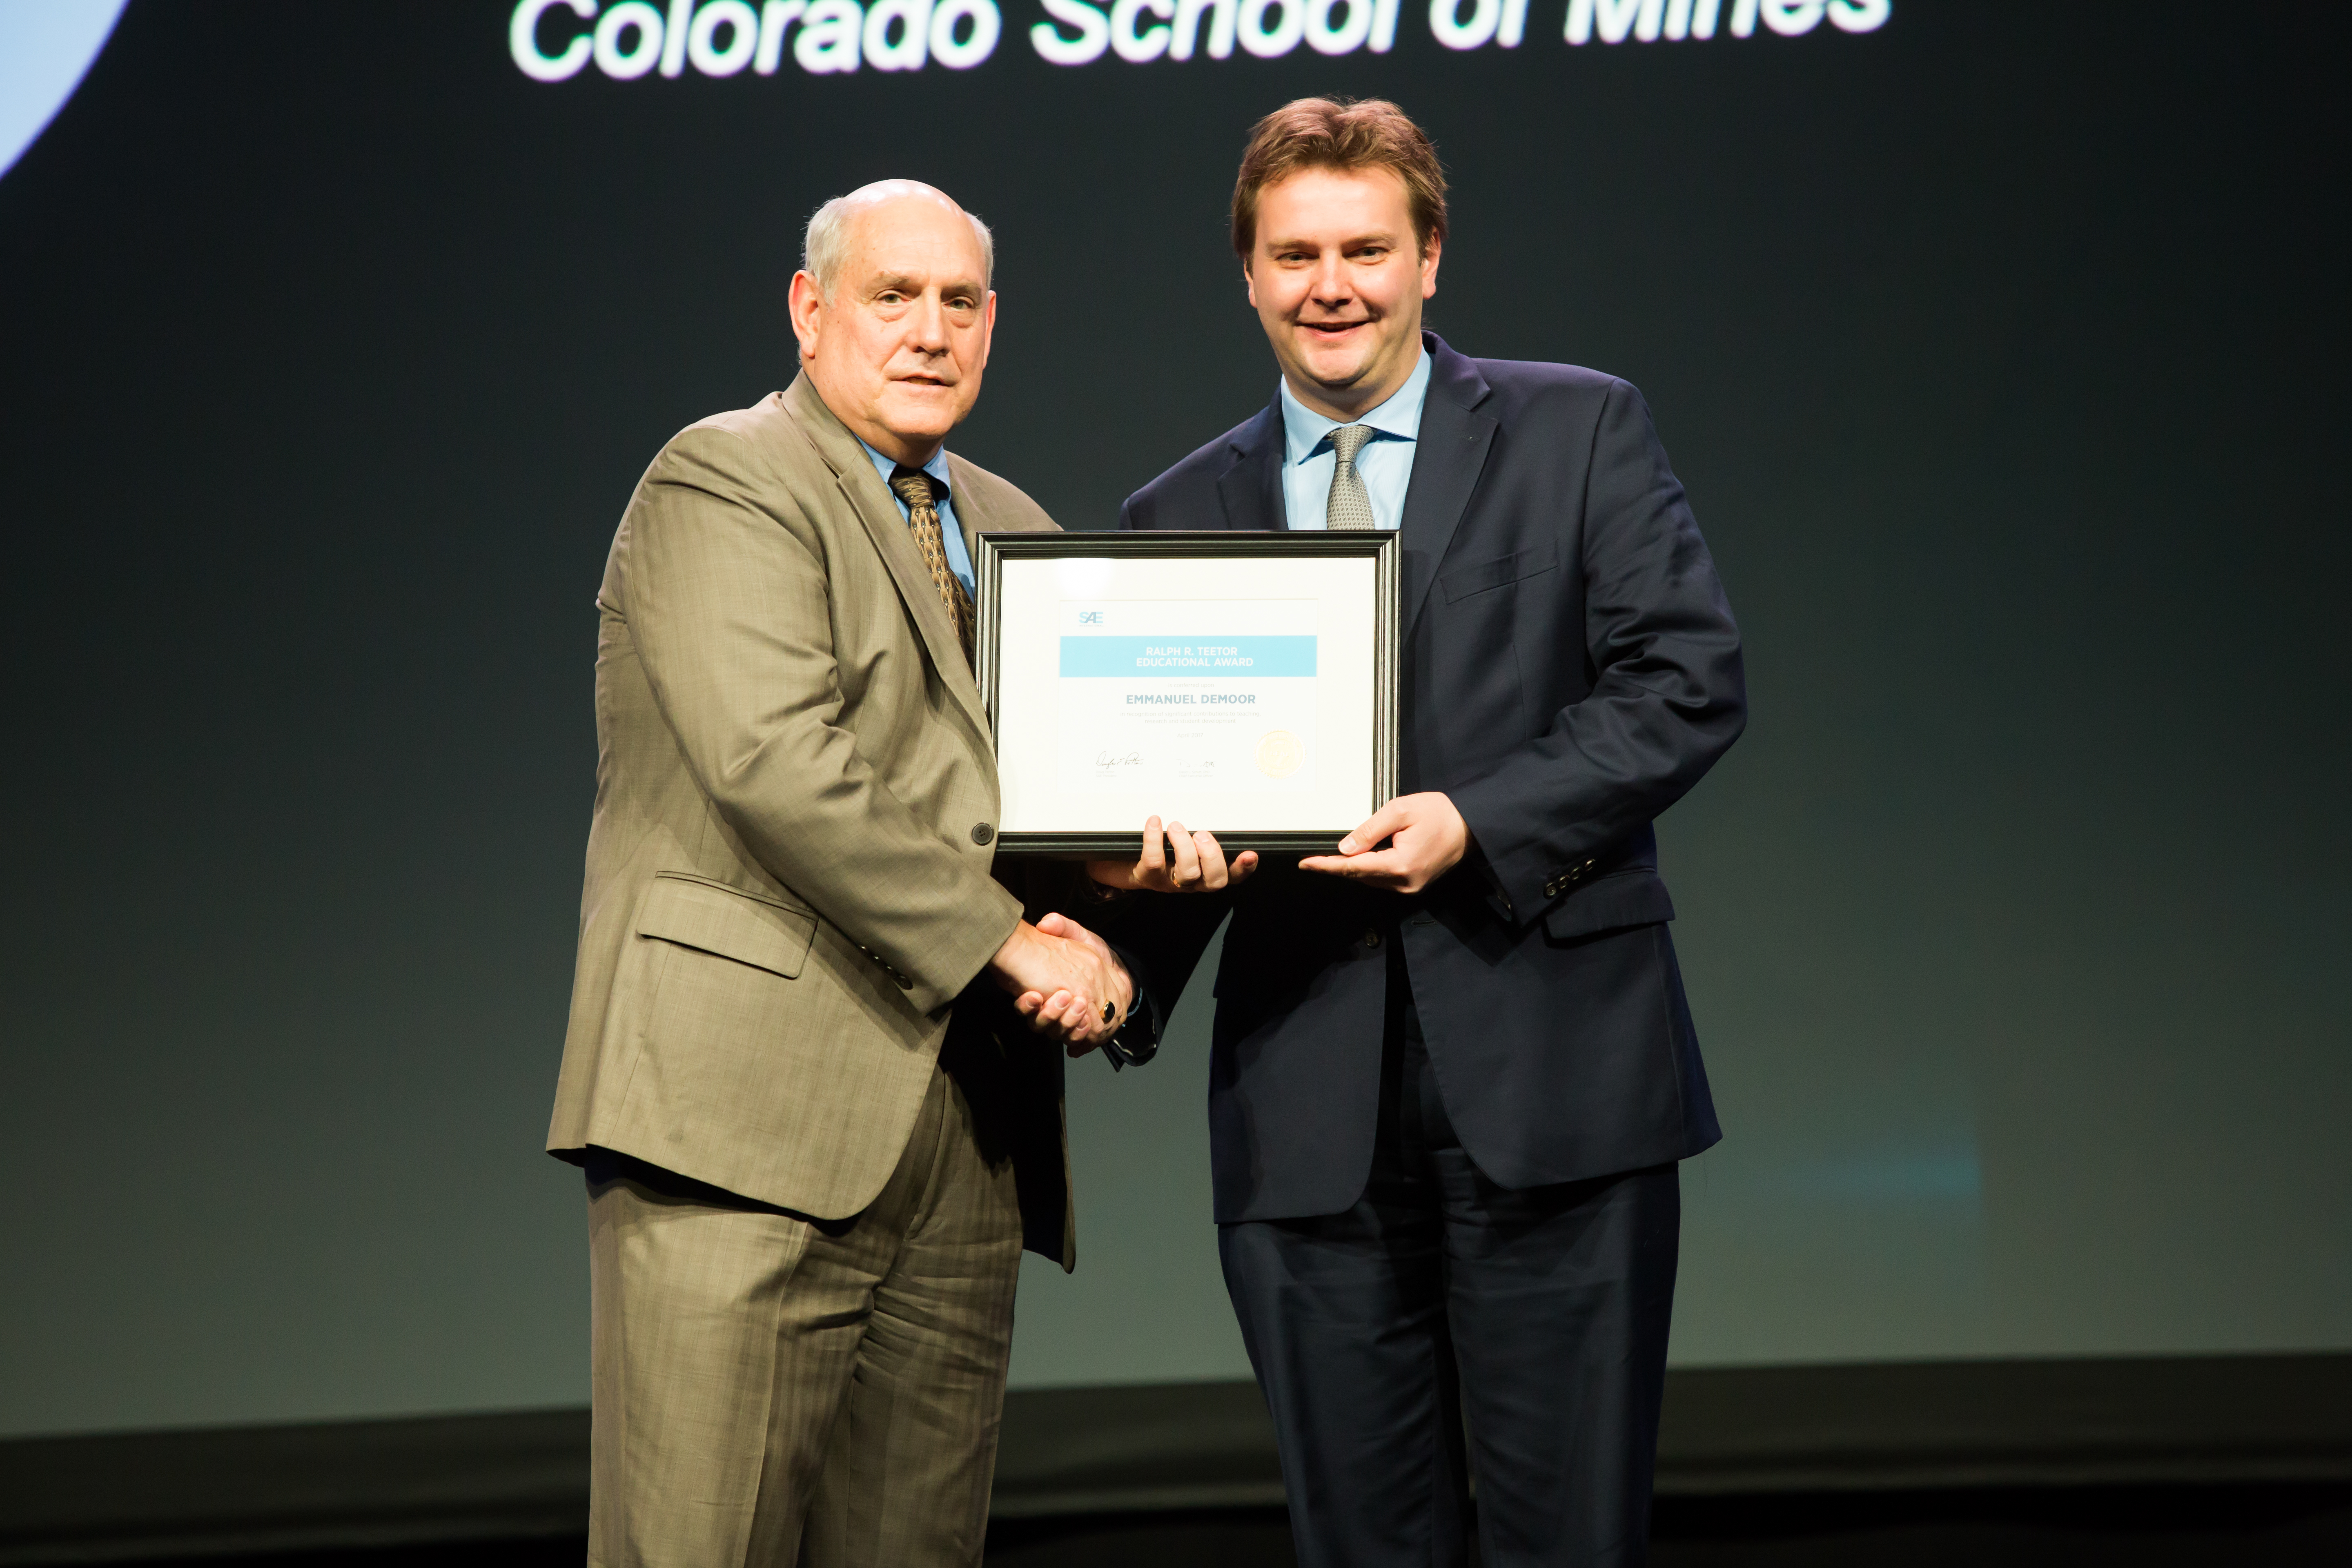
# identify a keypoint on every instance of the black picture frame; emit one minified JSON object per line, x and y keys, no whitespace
{"x":1243,"y":547}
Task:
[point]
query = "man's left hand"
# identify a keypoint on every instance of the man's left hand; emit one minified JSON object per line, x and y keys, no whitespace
{"x":1426,"y":838}
{"x":1175,"y":861}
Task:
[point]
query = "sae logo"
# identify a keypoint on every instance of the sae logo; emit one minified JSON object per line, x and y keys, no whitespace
{"x":1090,"y":617}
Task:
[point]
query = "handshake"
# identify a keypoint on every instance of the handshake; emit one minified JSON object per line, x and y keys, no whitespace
{"x":1065,"y":980}
{"x":1067,"y":983}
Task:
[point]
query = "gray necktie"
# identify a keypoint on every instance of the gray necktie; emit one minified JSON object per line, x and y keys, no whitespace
{"x":1349,"y":507}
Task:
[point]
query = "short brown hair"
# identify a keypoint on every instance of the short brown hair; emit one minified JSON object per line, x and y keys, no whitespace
{"x":1340,"y":134}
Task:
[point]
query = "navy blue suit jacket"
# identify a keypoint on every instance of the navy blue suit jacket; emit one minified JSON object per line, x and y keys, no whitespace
{"x":1570,"y":668}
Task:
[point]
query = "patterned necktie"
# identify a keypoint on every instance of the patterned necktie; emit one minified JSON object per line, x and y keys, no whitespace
{"x":1349,"y":506}
{"x":914,"y":488}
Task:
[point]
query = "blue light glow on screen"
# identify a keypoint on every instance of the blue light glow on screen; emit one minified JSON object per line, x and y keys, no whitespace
{"x":46,"y":49}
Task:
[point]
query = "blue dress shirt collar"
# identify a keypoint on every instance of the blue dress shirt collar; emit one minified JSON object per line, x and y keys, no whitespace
{"x":936,"y":468}
{"x":950,"y":526}
{"x":1307,"y":433}
{"x":1384,"y":463}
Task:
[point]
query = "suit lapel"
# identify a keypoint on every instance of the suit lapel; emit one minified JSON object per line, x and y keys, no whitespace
{"x":1250,"y":486}
{"x":871,"y":499}
{"x":975,"y":515}
{"x":1448,"y":457}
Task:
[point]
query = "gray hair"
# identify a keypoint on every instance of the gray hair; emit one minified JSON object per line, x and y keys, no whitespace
{"x":827,"y":236}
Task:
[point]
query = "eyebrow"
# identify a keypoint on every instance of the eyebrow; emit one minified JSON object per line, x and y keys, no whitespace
{"x":905,"y":284}
{"x":1370,"y":237}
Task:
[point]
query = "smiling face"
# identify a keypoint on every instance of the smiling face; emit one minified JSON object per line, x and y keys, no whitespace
{"x":897,"y":347}
{"x":1337,"y":282}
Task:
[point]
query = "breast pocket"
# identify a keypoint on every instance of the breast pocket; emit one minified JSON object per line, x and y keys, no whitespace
{"x":1476,"y":577}
{"x":1472,"y":701}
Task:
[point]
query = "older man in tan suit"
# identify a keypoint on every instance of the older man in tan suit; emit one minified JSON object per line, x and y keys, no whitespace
{"x":816,"y":1131}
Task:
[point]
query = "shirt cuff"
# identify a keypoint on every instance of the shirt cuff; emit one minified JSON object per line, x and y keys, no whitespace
{"x":1138,"y":1040}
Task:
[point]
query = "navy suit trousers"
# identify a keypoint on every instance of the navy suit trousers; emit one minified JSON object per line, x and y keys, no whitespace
{"x":1541,"y":1313}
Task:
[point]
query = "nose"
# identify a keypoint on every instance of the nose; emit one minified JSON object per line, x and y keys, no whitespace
{"x":1330,"y":285}
{"x":927,"y":324}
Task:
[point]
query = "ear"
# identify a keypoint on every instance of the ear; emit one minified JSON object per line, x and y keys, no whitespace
{"x":1249,"y":283}
{"x":1429,"y":258}
{"x":805,"y":305}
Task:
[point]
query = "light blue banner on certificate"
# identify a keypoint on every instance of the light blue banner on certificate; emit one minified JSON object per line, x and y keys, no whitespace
{"x":1239,"y":658}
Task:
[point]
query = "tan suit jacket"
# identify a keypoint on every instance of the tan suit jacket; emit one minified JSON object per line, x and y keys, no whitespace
{"x":789,"y":870}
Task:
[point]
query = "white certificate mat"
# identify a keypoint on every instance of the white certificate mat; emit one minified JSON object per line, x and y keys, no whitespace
{"x":1239,"y":695}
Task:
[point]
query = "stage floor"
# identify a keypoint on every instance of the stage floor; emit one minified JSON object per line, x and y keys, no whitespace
{"x":2193,"y":1527}
{"x":2241,"y":1460}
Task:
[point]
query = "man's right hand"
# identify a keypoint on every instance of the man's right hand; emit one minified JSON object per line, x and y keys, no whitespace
{"x":1061,"y":979}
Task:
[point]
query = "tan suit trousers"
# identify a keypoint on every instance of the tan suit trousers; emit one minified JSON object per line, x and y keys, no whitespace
{"x":768,"y":1393}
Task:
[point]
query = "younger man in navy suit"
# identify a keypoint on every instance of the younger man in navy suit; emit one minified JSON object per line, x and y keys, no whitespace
{"x":1454,"y":1069}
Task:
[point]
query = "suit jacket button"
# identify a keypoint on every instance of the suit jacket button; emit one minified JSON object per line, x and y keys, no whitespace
{"x":982,"y":833}
{"x":1551,"y":889}
{"x":1371,"y":938}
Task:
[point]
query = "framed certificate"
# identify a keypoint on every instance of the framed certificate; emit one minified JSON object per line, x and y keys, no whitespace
{"x":1243,"y":683}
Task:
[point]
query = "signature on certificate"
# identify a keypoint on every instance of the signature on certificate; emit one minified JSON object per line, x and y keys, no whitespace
{"x":1107,"y":762}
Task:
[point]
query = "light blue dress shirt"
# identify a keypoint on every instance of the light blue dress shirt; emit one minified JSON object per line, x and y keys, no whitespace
{"x":1384,"y":463}
{"x":950,"y":530}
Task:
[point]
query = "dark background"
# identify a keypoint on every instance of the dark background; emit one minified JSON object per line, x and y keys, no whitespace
{"x":1999,"y":349}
